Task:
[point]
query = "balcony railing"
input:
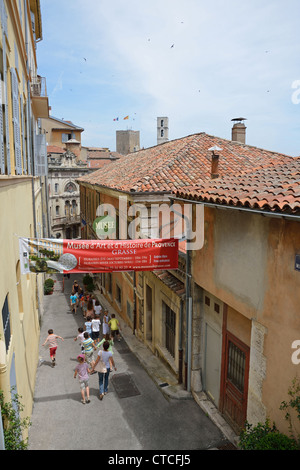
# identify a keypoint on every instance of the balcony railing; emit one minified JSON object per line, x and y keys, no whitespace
{"x":74,"y":219}
{"x":38,"y":87}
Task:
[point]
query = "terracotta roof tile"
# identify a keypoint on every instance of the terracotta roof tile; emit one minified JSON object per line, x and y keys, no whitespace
{"x":179,"y":163}
{"x":275,"y":187}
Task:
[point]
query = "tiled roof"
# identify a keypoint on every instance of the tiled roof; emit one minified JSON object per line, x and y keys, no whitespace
{"x":179,"y":163}
{"x":171,"y":281}
{"x":54,"y":149}
{"x":273,"y":188}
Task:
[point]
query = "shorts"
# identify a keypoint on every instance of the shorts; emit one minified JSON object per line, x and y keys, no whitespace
{"x":53,"y":351}
{"x":89,"y":357}
{"x":95,"y":334}
{"x":83,"y":384}
{"x":114,"y":332}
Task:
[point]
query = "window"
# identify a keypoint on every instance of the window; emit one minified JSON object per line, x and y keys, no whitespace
{"x":236,"y":366}
{"x":108,"y":283}
{"x":217,"y":308}
{"x":57,"y":210}
{"x":118,"y":294}
{"x":6,"y":323}
{"x":170,"y":329}
{"x":56,"y":188}
{"x":66,"y":137}
{"x":70,"y":188}
{"x":162,"y":133}
{"x":129,"y":311}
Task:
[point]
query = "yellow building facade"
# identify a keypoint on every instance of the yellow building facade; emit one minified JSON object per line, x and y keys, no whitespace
{"x":23,"y":198}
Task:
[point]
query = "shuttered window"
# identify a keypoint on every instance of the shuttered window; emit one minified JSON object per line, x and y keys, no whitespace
{"x":40,"y":155}
{"x":6,"y":323}
{"x":16,"y":121}
{"x":2,"y":153}
{"x":5,"y":107}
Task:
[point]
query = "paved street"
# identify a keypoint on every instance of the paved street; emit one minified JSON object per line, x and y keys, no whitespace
{"x":134,"y":415}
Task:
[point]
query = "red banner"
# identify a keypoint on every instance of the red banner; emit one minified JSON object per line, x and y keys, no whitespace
{"x":97,"y":256}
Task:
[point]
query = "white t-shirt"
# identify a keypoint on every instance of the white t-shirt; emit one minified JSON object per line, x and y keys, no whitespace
{"x":105,"y":357}
{"x":96,"y":325}
{"x":97,"y":309}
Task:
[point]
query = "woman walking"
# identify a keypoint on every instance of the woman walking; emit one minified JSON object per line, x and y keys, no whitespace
{"x":107,"y":358}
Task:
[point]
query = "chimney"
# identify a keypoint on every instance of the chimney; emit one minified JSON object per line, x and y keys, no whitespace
{"x":215,"y":161}
{"x":74,"y":146}
{"x":238,"y":133}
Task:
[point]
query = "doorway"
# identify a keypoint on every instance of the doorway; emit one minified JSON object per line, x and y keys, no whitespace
{"x":234,"y":392}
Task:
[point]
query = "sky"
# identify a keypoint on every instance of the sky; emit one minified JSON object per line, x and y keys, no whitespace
{"x":200,"y":63}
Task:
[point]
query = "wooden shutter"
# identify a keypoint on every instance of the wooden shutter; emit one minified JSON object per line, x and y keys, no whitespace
{"x":5,"y":97}
{"x":23,"y":137}
{"x":16,"y":121}
{"x":40,"y":155}
{"x":29,"y":147}
{"x":2,"y":153}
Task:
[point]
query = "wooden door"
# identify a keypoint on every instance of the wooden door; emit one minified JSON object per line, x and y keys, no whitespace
{"x":235,"y":375}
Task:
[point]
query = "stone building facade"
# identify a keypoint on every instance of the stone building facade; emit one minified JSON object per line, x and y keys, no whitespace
{"x":64,"y":199}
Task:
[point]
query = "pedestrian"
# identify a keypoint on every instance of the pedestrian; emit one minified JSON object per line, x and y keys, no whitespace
{"x":88,"y":325}
{"x":52,"y":340}
{"x":106,"y":357}
{"x":97,"y":308}
{"x":82,"y":369}
{"x":90,"y":309}
{"x":76,"y":287}
{"x":80,"y":296}
{"x":106,"y":338}
{"x":73,"y":301}
{"x":84,"y":302}
{"x":89,"y":348}
{"x":96,"y":328}
{"x":80,"y":337}
{"x":114,"y":327}
{"x":105,"y":325}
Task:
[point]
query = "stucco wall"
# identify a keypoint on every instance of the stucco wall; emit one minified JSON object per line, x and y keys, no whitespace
{"x":17,"y":216}
{"x":248,"y":262}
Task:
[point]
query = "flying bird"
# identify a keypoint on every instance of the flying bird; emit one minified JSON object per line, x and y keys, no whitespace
{"x":172,"y":46}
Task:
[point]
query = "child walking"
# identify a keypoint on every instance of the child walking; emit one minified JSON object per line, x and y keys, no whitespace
{"x":52,"y":340}
{"x":82,"y":369}
{"x":80,"y":337}
{"x":114,"y":327}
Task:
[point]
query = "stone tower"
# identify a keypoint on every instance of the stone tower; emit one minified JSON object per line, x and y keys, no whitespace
{"x":127,"y":141}
{"x":162,"y":130}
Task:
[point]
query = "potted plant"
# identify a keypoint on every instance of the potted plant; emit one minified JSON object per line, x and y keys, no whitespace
{"x":48,"y":286}
{"x":88,"y":283}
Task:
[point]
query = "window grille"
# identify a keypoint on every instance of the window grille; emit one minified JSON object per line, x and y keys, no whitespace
{"x":236,"y":366}
{"x":6,"y":323}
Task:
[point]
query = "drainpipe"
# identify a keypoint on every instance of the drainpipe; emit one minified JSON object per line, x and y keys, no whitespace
{"x":134,"y":302}
{"x":188,"y":304}
{"x":180,"y":349}
{"x":188,"y":320}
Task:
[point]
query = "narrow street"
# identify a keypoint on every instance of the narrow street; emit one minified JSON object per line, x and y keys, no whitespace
{"x":134,"y":415}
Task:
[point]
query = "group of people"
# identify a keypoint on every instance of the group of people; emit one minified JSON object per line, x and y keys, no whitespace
{"x":92,"y":358}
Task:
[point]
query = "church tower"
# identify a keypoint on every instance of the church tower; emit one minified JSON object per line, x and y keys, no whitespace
{"x":162,"y":130}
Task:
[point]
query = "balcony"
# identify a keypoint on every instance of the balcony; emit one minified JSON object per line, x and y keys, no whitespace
{"x":62,"y":221}
{"x":39,"y":97}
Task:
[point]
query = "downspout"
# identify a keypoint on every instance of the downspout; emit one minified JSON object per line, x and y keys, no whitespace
{"x":134,"y":302}
{"x":188,"y":305}
{"x":180,"y":350}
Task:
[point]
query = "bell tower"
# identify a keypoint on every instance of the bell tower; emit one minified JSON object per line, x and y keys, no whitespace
{"x":162,"y":130}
